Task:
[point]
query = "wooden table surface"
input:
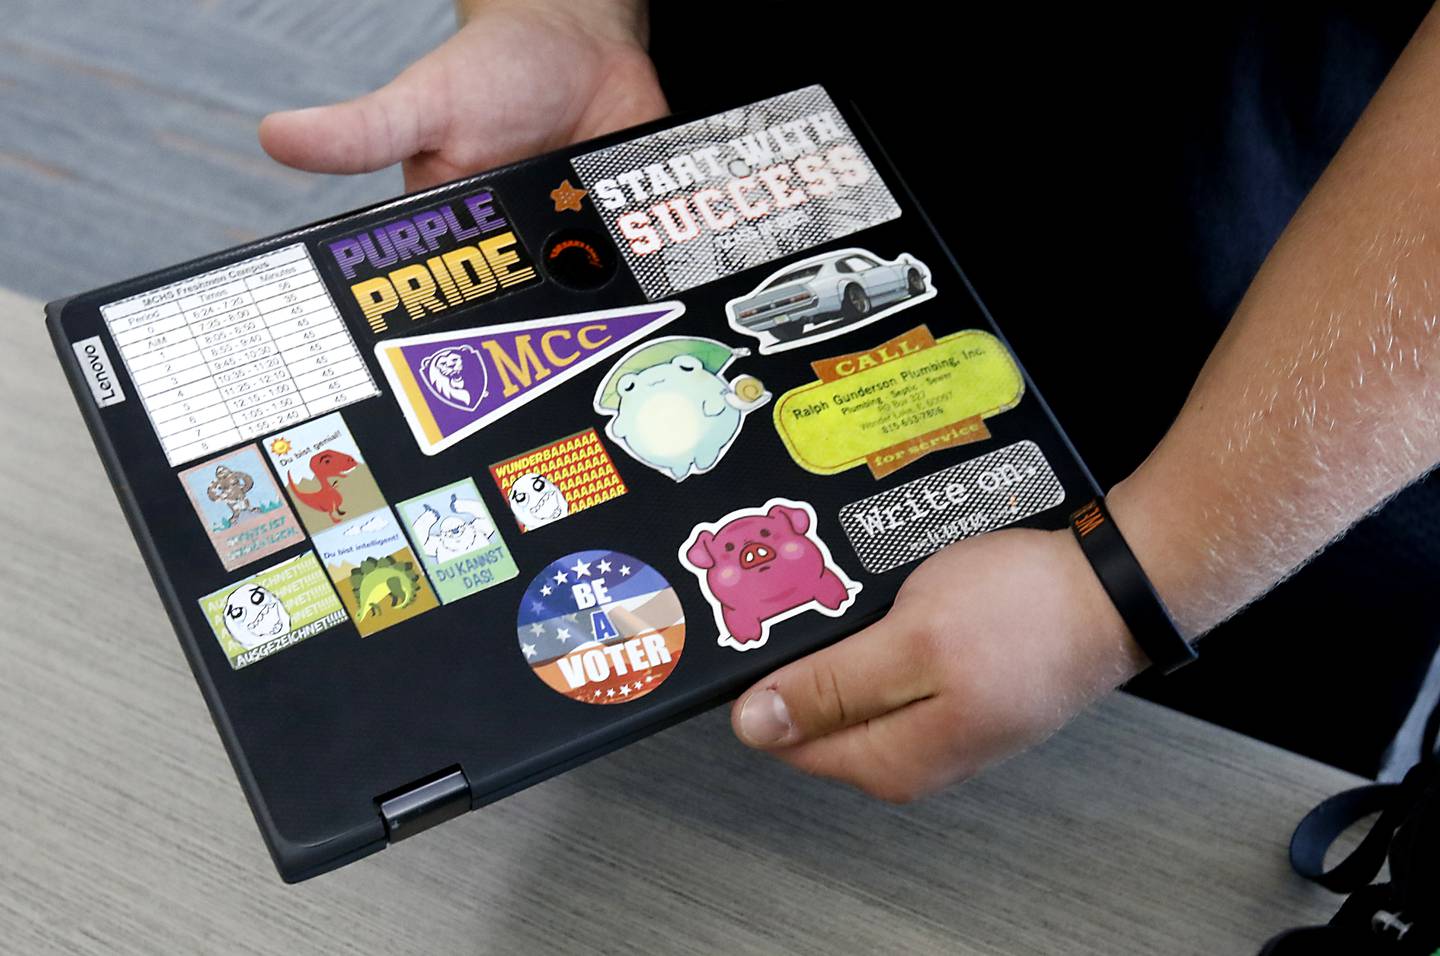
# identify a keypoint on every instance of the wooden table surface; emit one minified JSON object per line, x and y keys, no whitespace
{"x":1136,"y":830}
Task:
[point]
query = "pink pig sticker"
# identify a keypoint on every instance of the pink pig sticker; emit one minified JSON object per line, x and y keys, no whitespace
{"x":760,"y":566}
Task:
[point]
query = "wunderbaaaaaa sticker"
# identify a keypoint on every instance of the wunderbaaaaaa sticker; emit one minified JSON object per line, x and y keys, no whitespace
{"x":558,"y":479}
{"x":452,"y":384}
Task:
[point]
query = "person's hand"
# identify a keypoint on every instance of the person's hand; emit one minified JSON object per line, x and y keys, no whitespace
{"x":519,"y":78}
{"x":991,"y":645}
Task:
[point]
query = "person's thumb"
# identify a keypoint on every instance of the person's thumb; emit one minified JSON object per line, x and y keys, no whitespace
{"x":860,"y":678}
{"x":367,"y":133}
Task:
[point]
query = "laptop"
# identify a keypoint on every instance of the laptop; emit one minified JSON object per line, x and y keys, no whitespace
{"x":450,"y":494}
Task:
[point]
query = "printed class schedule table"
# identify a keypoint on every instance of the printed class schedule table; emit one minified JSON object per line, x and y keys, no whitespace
{"x":237,"y":353}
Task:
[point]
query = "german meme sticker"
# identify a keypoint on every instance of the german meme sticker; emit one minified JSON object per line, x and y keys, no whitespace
{"x":760,"y":566}
{"x":601,"y":627}
{"x":379,"y":578}
{"x":241,"y":508}
{"x":457,"y":540}
{"x":558,"y":479}
{"x":324,"y":472}
{"x":671,"y":407}
{"x":272,"y":610}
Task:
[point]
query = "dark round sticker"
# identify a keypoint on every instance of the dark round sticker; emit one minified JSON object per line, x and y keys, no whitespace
{"x":579,"y":258}
{"x":601,"y":627}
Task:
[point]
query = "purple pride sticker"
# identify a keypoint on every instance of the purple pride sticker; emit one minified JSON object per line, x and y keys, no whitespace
{"x":452,"y":384}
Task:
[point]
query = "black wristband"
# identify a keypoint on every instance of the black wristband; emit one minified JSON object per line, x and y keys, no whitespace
{"x":1130,"y":590}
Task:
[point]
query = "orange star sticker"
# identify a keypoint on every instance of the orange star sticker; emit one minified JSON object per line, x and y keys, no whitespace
{"x":568,"y":197}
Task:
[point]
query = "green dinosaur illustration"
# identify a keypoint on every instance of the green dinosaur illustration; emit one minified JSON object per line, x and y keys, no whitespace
{"x":383,"y":582}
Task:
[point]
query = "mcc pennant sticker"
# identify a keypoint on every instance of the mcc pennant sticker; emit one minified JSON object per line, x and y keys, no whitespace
{"x":452,"y":384}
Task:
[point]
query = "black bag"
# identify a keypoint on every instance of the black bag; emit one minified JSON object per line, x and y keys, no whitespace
{"x":1400,"y":917}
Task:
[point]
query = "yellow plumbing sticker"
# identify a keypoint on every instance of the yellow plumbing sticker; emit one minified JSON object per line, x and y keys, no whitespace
{"x":891,"y":405}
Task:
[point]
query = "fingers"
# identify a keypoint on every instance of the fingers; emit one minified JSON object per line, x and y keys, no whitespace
{"x":367,"y":133}
{"x":864,"y":676}
{"x":900,"y":756}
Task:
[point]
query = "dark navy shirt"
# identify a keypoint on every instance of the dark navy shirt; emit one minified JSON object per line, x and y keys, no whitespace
{"x":1115,"y":179}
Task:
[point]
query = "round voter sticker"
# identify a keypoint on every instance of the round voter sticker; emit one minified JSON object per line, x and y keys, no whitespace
{"x":601,"y":627}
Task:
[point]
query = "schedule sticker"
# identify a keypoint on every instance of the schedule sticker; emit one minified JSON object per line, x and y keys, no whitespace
{"x":601,"y":627}
{"x":237,"y":352}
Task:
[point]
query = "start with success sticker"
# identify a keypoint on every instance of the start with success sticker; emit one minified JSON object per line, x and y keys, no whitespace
{"x":601,"y":627}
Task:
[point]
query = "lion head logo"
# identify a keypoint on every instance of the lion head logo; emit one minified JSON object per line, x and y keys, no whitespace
{"x":456,"y":375}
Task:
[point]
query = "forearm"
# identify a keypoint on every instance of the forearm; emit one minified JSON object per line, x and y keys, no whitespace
{"x":1322,"y":399}
{"x":612,"y":19}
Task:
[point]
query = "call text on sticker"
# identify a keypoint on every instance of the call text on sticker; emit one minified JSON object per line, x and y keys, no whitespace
{"x":891,"y":405}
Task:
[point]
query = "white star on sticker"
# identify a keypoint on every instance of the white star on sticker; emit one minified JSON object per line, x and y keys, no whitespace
{"x":624,"y":569}
{"x":610,"y":692}
{"x":537,"y":628}
{"x":649,"y":678}
{"x":581,"y":568}
{"x":560,"y":577}
{"x":624,"y":690}
{"x":545,"y":590}
{"x":562,"y":635}
{"x":529,"y":650}
{"x":637,"y":685}
{"x":604,"y":566}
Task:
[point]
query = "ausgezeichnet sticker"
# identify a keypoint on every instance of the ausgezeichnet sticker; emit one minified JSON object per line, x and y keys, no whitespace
{"x":707,"y":199}
{"x":272,"y":610}
{"x":920,"y":517}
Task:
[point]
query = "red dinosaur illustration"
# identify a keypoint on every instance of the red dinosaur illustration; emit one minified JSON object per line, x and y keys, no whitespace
{"x":328,"y":467}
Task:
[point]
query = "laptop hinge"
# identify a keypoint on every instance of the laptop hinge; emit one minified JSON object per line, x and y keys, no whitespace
{"x":423,"y":804}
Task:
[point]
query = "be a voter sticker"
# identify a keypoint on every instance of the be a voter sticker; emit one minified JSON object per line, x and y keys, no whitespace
{"x":601,"y":627}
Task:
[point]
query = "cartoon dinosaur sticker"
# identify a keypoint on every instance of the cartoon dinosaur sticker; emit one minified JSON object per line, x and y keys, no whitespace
{"x":324,"y":472}
{"x":328,"y":467}
{"x":383,"y":583}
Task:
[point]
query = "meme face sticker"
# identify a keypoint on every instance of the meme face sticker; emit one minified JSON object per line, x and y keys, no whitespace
{"x":601,"y":627}
{"x":272,"y":610}
{"x":379,"y":578}
{"x":760,"y":566}
{"x":828,"y":295}
{"x":241,"y":508}
{"x":324,"y":472}
{"x":557,"y":480}
{"x":457,"y":540}
{"x":672,"y":409}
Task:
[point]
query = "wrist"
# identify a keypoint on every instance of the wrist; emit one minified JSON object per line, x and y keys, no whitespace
{"x":1106,"y":649}
{"x":1162,"y":546}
